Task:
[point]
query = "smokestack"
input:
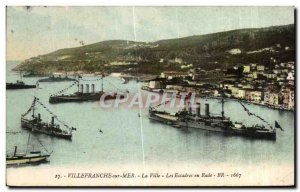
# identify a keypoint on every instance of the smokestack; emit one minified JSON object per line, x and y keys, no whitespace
{"x":39,"y":117}
{"x":198,"y":110}
{"x":81,"y":88}
{"x":93,"y":88}
{"x":206,"y":109}
{"x":87,"y":87}
{"x":187,"y":105}
{"x":190,"y":109}
{"x":15,"y":152}
{"x":52,"y":121}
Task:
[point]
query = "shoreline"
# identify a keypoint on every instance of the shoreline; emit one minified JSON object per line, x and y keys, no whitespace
{"x":232,"y":99}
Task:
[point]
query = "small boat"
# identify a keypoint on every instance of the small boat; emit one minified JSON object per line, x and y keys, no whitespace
{"x":36,"y":124}
{"x":28,"y":158}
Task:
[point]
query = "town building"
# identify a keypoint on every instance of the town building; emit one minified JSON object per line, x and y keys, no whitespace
{"x":247,"y":69}
{"x":290,"y":76}
{"x":253,"y":95}
{"x":273,"y":99}
{"x":260,"y":68}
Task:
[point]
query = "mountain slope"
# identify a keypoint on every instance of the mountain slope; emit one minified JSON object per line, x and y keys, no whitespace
{"x":217,"y":50}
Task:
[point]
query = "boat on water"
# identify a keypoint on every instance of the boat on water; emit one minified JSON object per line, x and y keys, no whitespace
{"x":57,"y":79}
{"x":217,"y":123}
{"x":28,"y":158}
{"x":19,"y":84}
{"x":81,"y":95}
{"x":36,"y":124}
{"x":32,"y":74}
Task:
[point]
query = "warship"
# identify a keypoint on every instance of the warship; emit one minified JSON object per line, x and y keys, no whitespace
{"x":57,"y":79}
{"x":32,"y":74}
{"x":217,"y":123}
{"x":36,"y":124}
{"x":19,"y":85}
{"x":81,"y":96}
{"x":27,"y":158}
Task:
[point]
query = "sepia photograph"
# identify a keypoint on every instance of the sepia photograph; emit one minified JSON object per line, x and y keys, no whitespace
{"x":150,"y":96}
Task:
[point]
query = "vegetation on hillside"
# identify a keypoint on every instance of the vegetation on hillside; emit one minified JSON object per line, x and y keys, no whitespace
{"x":217,"y":50}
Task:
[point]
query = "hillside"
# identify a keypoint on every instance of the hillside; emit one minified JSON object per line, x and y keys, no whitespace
{"x":217,"y":50}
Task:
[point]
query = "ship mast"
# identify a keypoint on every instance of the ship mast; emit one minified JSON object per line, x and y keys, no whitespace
{"x":102,"y":83}
{"x":78,"y":83}
{"x":222,"y":107}
{"x":33,"y":110}
{"x":27,"y":143}
{"x":222,"y":101}
{"x":21,"y":78}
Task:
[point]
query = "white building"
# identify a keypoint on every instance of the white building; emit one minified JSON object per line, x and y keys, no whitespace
{"x":247,"y":69}
{"x":290,"y":76}
{"x":260,"y":68}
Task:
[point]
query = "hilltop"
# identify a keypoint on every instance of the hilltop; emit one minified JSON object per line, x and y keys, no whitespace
{"x":210,"y":51}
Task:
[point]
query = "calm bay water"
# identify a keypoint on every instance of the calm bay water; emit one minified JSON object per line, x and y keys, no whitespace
{"x":128,"y":139}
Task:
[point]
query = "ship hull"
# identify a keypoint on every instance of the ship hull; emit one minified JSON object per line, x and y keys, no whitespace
{"x":160,"y":118}
{"x":38,"y":128}
{"x":15,"y":86}
{"x":228,"y":130}
{"x":56,"y":80}
{"x":208,"y":126}
{"x":11,"y":161}
{"x":82,"y":98}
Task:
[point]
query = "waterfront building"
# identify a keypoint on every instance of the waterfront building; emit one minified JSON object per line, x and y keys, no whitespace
{"x":288,"y":97}
{"x":253,"y":95}
{"x":234,"y":91}
{"x":242,"y":93}
{"x":273,"y":99}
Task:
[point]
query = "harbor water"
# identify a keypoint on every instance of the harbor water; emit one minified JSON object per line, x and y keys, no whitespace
{"x":128,"y":136}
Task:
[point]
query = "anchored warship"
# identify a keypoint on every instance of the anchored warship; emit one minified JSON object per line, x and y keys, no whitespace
{"x":80,"y":95}
{"x":57,"y":79}
{"x":36,"y":124}
{"x":19,"y":85}
{"x":217,"y":123}
{"x":27,"y":158}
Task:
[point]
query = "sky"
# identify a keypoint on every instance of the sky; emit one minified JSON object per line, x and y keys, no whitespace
{"x":32,"y":31}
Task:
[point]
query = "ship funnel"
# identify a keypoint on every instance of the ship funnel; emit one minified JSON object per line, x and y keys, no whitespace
{"x":206,"y":109}
{"x":81,"y":88}
{"x":93,"y":88}
{"x":190,"y":108}
{"x":15,"y":152}
{"x":87,"y":86}
{"x":52,"y":120}
{"x":198,"y":110}
{"x":39,"y":117}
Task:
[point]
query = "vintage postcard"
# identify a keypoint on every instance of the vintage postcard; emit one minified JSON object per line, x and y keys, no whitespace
{"x":150,"y":96}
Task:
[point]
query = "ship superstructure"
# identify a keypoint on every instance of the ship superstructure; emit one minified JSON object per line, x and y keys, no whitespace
{"x":28,"y":157}
{"x":217,"y":123}
{"x":90,"y":94}
{"x":36,"y":124}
